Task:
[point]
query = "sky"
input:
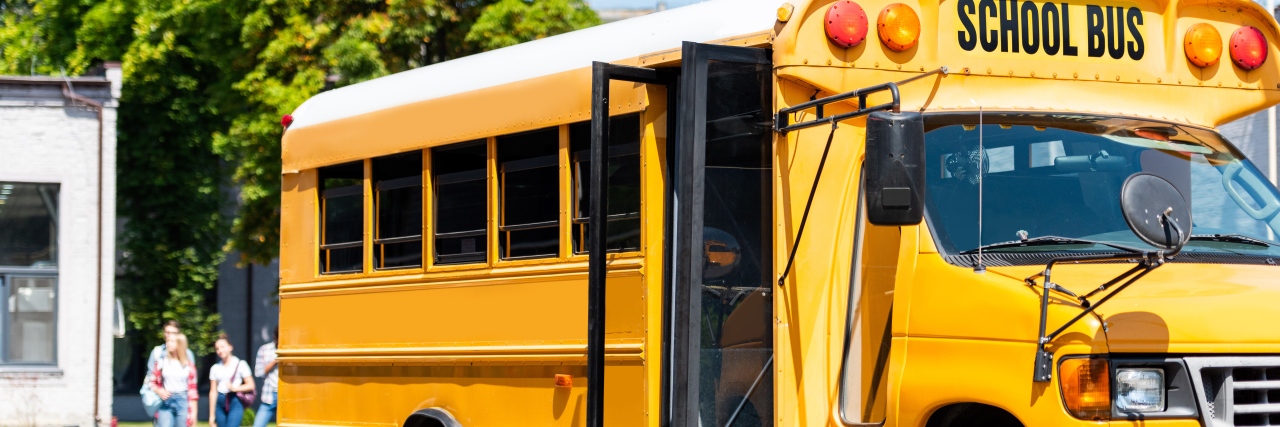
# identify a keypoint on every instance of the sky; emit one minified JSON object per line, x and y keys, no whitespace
{"x":637,"y":4}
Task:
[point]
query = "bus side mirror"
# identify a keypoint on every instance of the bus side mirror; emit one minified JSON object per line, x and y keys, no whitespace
{"x":895,"y":171}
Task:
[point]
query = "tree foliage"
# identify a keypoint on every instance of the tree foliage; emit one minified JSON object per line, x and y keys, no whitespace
{"x":206,"y":82}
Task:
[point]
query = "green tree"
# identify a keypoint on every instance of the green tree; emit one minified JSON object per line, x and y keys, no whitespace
{"x":206,"y":82}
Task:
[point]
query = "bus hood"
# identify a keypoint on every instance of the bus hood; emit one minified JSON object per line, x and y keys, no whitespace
{"x":1182,"y":308}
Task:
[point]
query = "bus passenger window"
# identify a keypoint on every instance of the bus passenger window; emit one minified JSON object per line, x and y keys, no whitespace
{"x":461,"y":196}
{"x":397,"y":182}
{"x":342,"y":218}
{"x":530,"y":204}
{"x":623,"y":213}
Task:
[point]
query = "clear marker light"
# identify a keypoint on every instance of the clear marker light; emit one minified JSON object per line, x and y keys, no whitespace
{"x":1140,"y":390}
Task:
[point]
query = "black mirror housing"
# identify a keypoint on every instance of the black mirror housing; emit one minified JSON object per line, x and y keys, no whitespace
{"x":895,"y":168}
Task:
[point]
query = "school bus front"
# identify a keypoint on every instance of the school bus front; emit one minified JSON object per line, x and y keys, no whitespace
{"x":789,"y":239}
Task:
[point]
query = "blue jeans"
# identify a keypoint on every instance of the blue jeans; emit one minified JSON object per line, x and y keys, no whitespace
{"x":173,"y":411}
{"x":266,"y":411}
{"x":229,"y":410}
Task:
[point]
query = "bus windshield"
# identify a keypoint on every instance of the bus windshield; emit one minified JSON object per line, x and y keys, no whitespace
{"x":1060,"y":175}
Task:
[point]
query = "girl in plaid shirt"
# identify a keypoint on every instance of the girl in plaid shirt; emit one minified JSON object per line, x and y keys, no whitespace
{"x":173,"y":377}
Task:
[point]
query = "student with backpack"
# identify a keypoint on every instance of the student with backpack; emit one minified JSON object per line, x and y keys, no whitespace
{"x":231,"y":387}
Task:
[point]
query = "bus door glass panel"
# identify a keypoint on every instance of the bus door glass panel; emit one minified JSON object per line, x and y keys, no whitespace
{"x":726,"y":109}
{"x":342,"y":213}
{"x":867,"y":328}
{"x":529,"y":181}
{"x":461,"y":202}
{"x":397,"y":182}
{"x":737,"y":305}
{"x":624,"y":184}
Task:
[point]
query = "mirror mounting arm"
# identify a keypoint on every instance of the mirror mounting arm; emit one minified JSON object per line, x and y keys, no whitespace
{"x":1147,"y":261}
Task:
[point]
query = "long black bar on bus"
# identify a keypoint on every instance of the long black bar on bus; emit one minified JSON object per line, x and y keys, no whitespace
{"x":601,"y":74}
{"x":782,"y":121}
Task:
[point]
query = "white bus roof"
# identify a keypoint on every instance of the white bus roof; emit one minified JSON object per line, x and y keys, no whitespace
{"x":702,"y":22}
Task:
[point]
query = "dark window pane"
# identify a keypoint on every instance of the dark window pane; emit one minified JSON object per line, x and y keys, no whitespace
{"x":398,"y":182}
{"x":342,"y":214}
{"x":461,"y":207}
{"x":531,"y":193}
{"x":736,"y":274}
{"x":531,"y":196}
{"x":535,"y":242}
{"x":623,"y":236}
{"x":461,"y":193}
{"x":400,"y":212}
{"x":400,"y":255}
{"x":343,"y":219}
{"x":28,"y":224}
{"x":624,"y":183}
{"x":30,"y":319}
{"x":346,"y":260}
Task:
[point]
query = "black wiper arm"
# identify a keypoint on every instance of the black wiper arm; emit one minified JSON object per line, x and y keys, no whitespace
{"x":1232,"y":238}
{"x":1048,"y":241}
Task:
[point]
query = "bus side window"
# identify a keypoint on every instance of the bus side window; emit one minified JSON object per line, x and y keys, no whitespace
{"x":461,"y":202}
{"x":529,"y":184}
{"x":342,"y":218}
{"x":397,"y":182}
{"x":623,"y":225}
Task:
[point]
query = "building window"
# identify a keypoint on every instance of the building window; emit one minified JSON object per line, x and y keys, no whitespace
{"x":623,"y":212}
{"x":461,"y":202}
{"x":28,"y":272}
{"x":342,"y":218}
{"x":398,"y":191}
{"x":530,"y":194}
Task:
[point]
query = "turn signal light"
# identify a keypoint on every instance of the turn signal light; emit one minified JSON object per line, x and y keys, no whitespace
{"x":1248,"y":48}
{"x":1203,"y":45}
{"x":563,"y":380}
{"x":899,"y":27}
{"x":1086,"y":387}
{"x":846,"y":24}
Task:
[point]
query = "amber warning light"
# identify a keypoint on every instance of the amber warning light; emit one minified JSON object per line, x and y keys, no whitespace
{"x":1203,"y":45}
{"x":899,"y":27}
{"x":1086,"y":387}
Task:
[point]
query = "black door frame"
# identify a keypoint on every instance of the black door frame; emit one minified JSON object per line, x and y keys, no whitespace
{"x":686,"y":307}
{"x":601,"y":74}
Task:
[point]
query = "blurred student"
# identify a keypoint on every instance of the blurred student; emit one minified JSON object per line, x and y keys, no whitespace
{"x":171,"y":329}
{"x":231,"y":385}
{"x":265,"y":368}
{"x":173,"y":378}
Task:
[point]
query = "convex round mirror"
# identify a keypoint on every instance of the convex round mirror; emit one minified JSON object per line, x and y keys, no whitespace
{"x":1146,"y":200}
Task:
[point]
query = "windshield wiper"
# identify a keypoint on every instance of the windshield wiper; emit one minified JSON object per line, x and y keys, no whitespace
{"x":1231,"y":238}
{"x":1047,"y":241}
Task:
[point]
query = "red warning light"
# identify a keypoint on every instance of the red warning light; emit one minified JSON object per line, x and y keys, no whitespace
{"x":846,"y":23}
{"x":1248,"y":48}
{"x":286,"y":121}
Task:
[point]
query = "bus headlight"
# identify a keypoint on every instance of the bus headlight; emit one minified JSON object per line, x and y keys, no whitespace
{"x":1140,"y":389}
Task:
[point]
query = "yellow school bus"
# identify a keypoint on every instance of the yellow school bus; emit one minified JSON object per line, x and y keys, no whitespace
{"x":817,"y":213}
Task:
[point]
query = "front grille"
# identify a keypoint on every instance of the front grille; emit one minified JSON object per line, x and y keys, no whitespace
{"x":1237,"y":391}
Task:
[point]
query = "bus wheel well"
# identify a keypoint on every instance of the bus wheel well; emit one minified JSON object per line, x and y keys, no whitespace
{"x":972,"y":415}
{"x":431,"y":417}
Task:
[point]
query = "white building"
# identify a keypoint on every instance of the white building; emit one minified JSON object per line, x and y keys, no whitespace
{"x":57,"y":228}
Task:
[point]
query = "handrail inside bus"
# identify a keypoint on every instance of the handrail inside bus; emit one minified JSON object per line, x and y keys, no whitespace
{"x":780,"y":123}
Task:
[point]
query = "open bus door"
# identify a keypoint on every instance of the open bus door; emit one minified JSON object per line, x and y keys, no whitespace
{"x":602,"y":75}
{"x":719,"y":345}
{"x":722,"y":288}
